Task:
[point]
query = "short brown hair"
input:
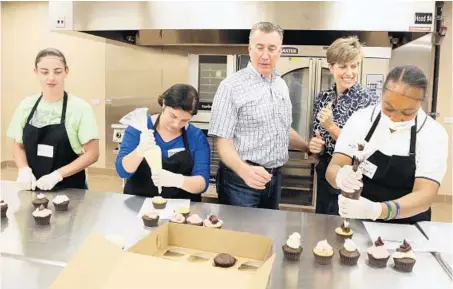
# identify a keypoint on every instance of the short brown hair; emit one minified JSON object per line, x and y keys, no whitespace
{"x":266,"y":27}
{"x":344,"y":50}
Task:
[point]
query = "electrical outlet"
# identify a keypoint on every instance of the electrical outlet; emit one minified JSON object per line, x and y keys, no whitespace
{"x":60,"y":23}
{"x":118,"y":135}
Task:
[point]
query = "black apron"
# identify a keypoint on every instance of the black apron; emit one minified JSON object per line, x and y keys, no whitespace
{"x":141,"y":184}
{"x":53,"y":135}
{"x":394,"y":176}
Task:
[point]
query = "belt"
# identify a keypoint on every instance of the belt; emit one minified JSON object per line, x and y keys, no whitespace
{"x":272,"y":171}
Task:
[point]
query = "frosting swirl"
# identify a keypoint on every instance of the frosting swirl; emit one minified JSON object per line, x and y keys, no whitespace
{"x":379,"y":242}
{"x":293,"y":241}
{"x":345,"y":227}
{"x":405,"y":247}
{"x":60,"y":199}
{"x":404,"y":251}
{"x":40,"y":196}
{"x":349,"y":245}
{"x":323,"y":246}
{"x":42,"y":212}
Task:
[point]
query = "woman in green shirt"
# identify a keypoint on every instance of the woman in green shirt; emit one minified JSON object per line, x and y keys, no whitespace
{"x":55,"y":134}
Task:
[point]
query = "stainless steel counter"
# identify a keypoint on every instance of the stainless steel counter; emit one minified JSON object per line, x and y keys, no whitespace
{"x":40,"y":252}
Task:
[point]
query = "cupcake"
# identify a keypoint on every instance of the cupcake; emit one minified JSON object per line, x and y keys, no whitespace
{"x":404,"y":258}
{"x":40,"y":200}
{"x":344,"y":232}
{"x":42,"y":215}
{"x":159,"y":202}
{"x":349,"y":255}
{"x":4,"y":208}
{"x":213,"y":221}
{"x":292,"y":249}
{"x":378,"y":254}
{"x":194,"y":220}
{"x":150,"y":219}
{"x":323,"y":253}
{"x":178,"y":218}
{"x":61,"y":203}
{"x":183,"y":211}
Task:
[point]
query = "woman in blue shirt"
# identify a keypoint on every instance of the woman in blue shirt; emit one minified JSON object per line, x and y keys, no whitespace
{"x":185,"y":150}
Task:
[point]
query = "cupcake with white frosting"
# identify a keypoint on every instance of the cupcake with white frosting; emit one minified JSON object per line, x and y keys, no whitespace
{"x":212,"y":221}
{"x":404,"y":258}
{"x":323,"y":253}
{"x":378,"y":255}
{"x":349,"y":255}
{"x":195,"y":220}
{"x":42,"y":215}
{"x":292,"y":248}
{"x":40,"y":200}
{"x":61,"y":203}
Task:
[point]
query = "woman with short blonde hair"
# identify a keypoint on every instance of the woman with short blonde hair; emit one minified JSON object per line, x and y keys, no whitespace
{"x":332,"y":109}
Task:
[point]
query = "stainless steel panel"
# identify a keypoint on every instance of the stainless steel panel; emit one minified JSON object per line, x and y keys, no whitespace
{"x":298,"y":15}
{"x":419,"y":52}
{"x":108,"y":213}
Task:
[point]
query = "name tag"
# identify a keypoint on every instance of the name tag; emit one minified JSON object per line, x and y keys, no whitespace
{"x":368,"y":169}
{"x":45,"y":151}
{"x":175,"y":151}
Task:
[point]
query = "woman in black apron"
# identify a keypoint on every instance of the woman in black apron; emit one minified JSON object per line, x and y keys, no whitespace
{"x":44,"y":156}
{"x":398,"y":187}
{"x":332,"y":109}
{"x":185,"y":150}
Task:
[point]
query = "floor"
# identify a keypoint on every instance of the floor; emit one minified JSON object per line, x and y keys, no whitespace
{"x":442,"y":212}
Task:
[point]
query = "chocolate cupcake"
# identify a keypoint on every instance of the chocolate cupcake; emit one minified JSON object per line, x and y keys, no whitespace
{"x":349,"y":255}
{"x":178,"y":218}
{"x":150,"y":219}
{"x":61,"y":203}
{"x":159,"y":203}
{"x":194,"y":220}
{"x":404,"y":258}
{"x":213,"y":222}
{"x":323,"y":253}
{"x":344,"y":232}
{"x":292,"y":249}
{"x":224,"y":260}
{"x":42,"y":215}
{"x":378,"y":254}
{"x":4,"y":208}
{"x":40,"y":200}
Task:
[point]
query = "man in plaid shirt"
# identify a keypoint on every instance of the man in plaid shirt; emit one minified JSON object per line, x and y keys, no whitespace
{"x":251,"y":118}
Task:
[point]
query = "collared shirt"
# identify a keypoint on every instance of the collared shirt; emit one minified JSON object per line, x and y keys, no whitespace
{"x":256,"y":113}
{"x":352,"y":100}
{"x":431,"y":147}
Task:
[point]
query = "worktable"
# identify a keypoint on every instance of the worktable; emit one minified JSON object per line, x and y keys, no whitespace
{"x":32,"y":256}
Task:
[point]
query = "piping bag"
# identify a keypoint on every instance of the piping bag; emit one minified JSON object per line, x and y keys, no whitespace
{"x":138,"y":119}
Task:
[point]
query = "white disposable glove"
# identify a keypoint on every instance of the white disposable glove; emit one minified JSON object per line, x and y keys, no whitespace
{"x":25,"y":179}
{"x":347,"y":180}
{"x":164,"y":178}
{"x":359,"y":209}
{"x":49,"y":181}
{"x":146,"y":142}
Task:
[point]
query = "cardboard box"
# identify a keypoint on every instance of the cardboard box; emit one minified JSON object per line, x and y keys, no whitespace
{"x":173,"y":256}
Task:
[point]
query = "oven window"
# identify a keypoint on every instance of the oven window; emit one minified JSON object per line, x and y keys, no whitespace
{"x":212,"y":70}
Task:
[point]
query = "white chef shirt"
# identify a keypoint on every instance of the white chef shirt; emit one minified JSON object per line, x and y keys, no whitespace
{"x":431,"y":148}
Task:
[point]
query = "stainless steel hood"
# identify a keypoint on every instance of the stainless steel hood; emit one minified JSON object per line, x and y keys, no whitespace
{"x":228,"y":22}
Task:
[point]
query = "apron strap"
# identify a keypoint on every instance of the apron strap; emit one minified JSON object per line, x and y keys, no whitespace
{"x":413,"y":139}
{"x":373,"y":128}
{"x":65,"y":104}
{"x":63,"y":113}
{"x":32,"y":112}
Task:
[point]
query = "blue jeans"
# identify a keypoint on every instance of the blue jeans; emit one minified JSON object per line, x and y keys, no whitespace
{"x":232,"y":190}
